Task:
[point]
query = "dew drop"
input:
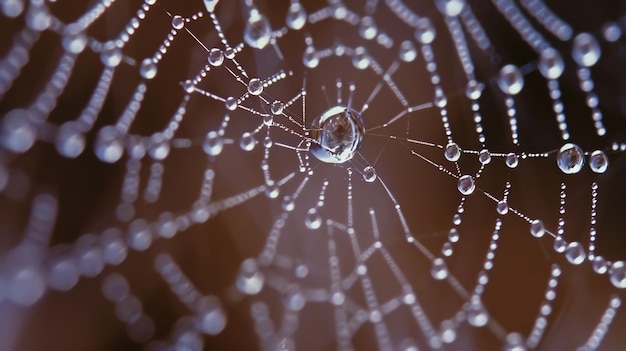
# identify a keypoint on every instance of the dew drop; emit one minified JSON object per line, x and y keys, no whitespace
{"x":258,"y":32}
{"x":74,"y":40}
{"x":231,"y":103}
{"x":178,"y":22}
{"x":575,"y":253}
{"x":510,"y":80}
{"x":272,"y":190}
{"x":296,"y":16}
{"x":514,"y":342}
{"x":115,"y":287}
{"x":294,"y":299}
{"x":310,"y":57}
{"x":70,"y":141}
{"x":369,"y":174}
{"x":339,"y":134}
{"x":448,"y":331}
{"x":250,"y":279}
{"x":425,"y":31}
{"x":586,"y":50}
{"x":502,"y":207}
{"x":210,"y":5}
{"x":18,"y":133}
{"x":210,"y":316}
{"x":466,"y":185}
{"x":617,"y":273}
{"x":277,"y":107}
{"x":512,"y":160}
{"x":551,"y":64}
{"x":446,"y":249}
{"x":450,"y":7}
{"x":408,"y":52}
{"x":213,"y":143}
{"x":361,"y":59}
{"x":559,"y":244}
{"x":288,"y":203}
{"x":111,"y":55}
{"x":600,"y":265}
{"x":148,"y":68}
{"x":474,"y":90}
{"x":255,"y":86}
{"x":537,"y":229}
{"x":598,"y":162}
{"x":268,"y":120}
{"x":452,"y":152}
{"x":453,"y":235}
{"x":484,"y":157}
{"x":247,"y":142}
{"x":216,"y":57}
{"x":476,"y":315}
{"x":313,"y":219}
{"x":368,"y":29}
{"x":439,"y":270}
{"x":570,"y":158}
{"x":108,"y":146}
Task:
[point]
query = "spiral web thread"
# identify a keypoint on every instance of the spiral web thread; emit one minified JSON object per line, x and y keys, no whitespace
{"x":34,"y":265}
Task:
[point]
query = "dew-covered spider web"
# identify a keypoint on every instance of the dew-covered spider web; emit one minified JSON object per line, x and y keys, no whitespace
{"x":312,"y":175}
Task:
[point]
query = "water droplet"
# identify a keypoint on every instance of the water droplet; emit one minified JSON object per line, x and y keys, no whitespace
{"x":502,"y":207}
{"x":148,"y":68}
{"x":537,"y":229}
{"x":247,"y":141}
{"x":113,"y":246}
{"x":139,"y":235}
{"x":339,"y":133}
{"x":617,"y":274}
{"x":439,"y":270}
{"x":70,"y":141}
{"x":62,"y":273}
{"x":514,"y":342}
{"x":258,"y":32}
{"x":408,"y":52}
{"x":210,"y":317}
{"x":288,"y":203}
{"x":18,"y":133}
{"x":111,"y":55}
{"x":267,"y":141}
{"x":575,"y":253}
{"x":26,"y":286}
{"x":115,"y":287}
{"x":600,"y":265}
{"x":560,"y":244}
{"x":510,"y":80}
{"x":570,"y":158}
{"x":466,"y":185}
{"x":452,"y":152}
{"x":178,"y":22}
{"x":277,"y":107}
{"x":476,"y":314}
{"x":231,"y":103}
{"x":108,"y":146}
{"x":210,"y":5}
{"x":551,"y":64}
{"x":255,"y":86}
{"x":214,"y":143}
{"x":89,"y":255}
{"x":74,"y":40}
{"x":448,"y":331}
{"x":598,"y":162}
{"x":310,"y":57}
{"x":129,"y":309}
{"x":446,"y":249}
{"x":586,"y":50}
{"x":425,"y":31}
{"x":361,"y":59}
{"x":294,"y":299}
{"x":368,"y":29}
{"x":474,"y":90}
{"x":216,"y":57}
{"x":313,"y":219}
{"x":37,"y":17}
{"x":272,"y":190}
{"x":484,"y":157}
{"x":511,"y":160}
{"x":296,"y":16}
{"x":159,"y":148}
{"x":450,"y":7}
{"x":369,"y":174}
{"x":250,"y":279}
{"x":453,"y":235}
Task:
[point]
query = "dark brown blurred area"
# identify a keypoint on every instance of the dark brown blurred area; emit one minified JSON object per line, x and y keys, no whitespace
{"x":88,"y":190}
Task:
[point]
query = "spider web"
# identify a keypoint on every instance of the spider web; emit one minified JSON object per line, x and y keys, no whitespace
{"x":157,"y":176}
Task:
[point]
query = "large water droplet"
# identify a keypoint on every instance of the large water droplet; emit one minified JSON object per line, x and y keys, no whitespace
{"x":617,"y":274}
{"x":439,"y":270}
{"x":586,"y":50}
{"x":453,"y":235}
{"x":178,"y":22}
{"x":247,"y":141}
{"x":368,"y":29}
{"x":452,"y":152}
{"x":570,"y":158}
{"x":477,"y":315}
{"x":598,"y":162}
{"x":448,"y":331}
{"x":294,"y":299}
{"x":250,"y":279}
{"x":551,"y":64}
{"x":450,"y":7}
{"x":296,"y":16}
{"x":361,"y":59}
{"x":310,"y":57}
{"x":70,"y":141}
{"x":231,"y":103}
{"x":148,"y":68}
{"x":559,"y":244}
{"x":537,"y":229}
{"x":408,"y":52}
{"x":466,"y":185}
{"x":216,"y":57}
{"x":510,"y":80}
{"x":214,"y":143}
{"x":18,"y":133}
{"x":109,"y":147}
{"x":424,"y":31}
{"x":514,"y":342}
{"x":111,"y":55}
{"x":511,"y":160}
{"x":210,"y":317}
{"x":600,"y":265}
{"x":313,"y":219}
{"x":502,"y":207}
{"x":369,"y":174}
{"x":74,"y":40}
{"x":255,"y":86}
{"x":484,"y":157}
{"x":339,"y":133}
{"x":575,"y":253}
{"x":210,"y":4}
{"x":258,"y":32}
